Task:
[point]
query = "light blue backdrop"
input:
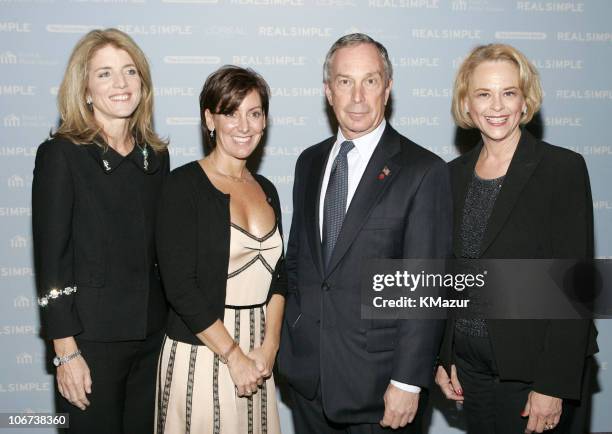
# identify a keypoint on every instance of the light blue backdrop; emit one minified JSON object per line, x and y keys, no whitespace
{"x":286,"y":40}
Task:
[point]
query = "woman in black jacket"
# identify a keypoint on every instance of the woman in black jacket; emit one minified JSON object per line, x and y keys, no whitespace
{"x":94,"y":198}
{"x":220,"y":249}
{"x":515,"y":197}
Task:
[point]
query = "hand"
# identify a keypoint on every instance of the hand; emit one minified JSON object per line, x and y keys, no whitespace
{"x":244,"y":372}
{"x":74,"y":381}
{"x":544,"y":412}
{"x":400,"y":407}
{"x":451,"y":388}
{"x":264,"y":358}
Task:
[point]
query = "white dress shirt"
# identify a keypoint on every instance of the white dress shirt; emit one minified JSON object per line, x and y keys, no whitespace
{"x":358,"y":159}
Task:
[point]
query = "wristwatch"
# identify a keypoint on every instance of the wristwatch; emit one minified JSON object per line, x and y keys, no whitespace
{"x":59,"y":361}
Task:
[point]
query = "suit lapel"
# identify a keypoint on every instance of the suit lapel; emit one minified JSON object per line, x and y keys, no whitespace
{"x":366,"y":196}
{"x":311,"y":201}
{"x":526,"y":157}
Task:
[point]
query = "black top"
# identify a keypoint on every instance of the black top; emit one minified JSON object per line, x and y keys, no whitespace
{"x":93,"y":215}
{"x":479,"y":203}
{"x":193,"y":245}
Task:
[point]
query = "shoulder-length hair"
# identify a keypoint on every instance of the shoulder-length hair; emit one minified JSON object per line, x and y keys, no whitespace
{"x":529,"y":80}
{"x":78,"y":123}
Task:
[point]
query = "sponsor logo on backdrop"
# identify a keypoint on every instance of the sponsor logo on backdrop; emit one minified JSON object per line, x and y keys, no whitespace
{"x":184,"y":151}
{"x":15,"y":211}
{"x":26,"y":121}
{"x":156,"y":29}
{"x":24,"y":329}
{"x":286,"y":209}
{"x":595,"y":149}
{"x":28,"y":358}
{"x":15,"y":27}
{"x":16,"y":272}
{"x":558,"y":63}
{"x":225,"y":31}
{"x":174,"y":91}
{"x":288,"y":121}
{"x":584,"y":94}
{"x":441,"y":150}
{"x":450,"y":34}
{"x":281,"y":179}
{"x":177,"y":120}
{"x":297,"y":91}
{"x":537,"y":36}
{"x":268,"y":2}
{"x":18,"y":151}
{"x":18,"y":242}
{"x":435,"y":92}
{"x":11,"y":58}
{"x":17,"y":90}
{"x":584,"y":36}
{"x":531,"y":6}
{"x":25,"y":387}
{"x":336,"y":3}
{"x":71,"y":28}
{"x":416,"y":121}
{"x":278,"y":151}
{"x":192,"y":60}
{"x":192,"y":1}
{"x":23,"y":302}
{"x":295,"y":32}
{"x":562,"y":121}
{"x":602,"y":204}
{"x":416,"y":62}
{"x":248,"y":60}
{"x":108,"y":1}
{"x":17,"y":181}
{"x":475,"y":6}
{"x":54,"y":90}
{"x":408,"y":4}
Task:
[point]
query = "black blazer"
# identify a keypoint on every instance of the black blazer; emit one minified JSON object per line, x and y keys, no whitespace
{"x":193,"y":244}
{"x":93,"y":220}
{"x":407,"y":214}
{"x":544,"y":210}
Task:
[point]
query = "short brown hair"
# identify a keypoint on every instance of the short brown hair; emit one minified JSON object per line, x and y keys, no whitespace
{"x":529,"y":80}
{"x":78,"y":123}
{"x":226,"y":88}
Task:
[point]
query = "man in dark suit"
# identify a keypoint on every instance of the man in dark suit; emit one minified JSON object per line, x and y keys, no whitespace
{"x":366,"y":193}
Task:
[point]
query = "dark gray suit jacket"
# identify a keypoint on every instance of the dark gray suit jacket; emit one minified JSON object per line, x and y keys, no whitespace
{"x":406,"y":214}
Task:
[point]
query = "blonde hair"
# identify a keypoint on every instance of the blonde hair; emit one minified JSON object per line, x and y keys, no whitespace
{"x":78,"y":123}
{"x":529,"y":80}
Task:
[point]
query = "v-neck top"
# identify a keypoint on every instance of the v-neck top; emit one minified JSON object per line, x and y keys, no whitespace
{"x":193,"y":244}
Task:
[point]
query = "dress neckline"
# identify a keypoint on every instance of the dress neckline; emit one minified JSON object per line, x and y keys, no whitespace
{"x":253,"y":236}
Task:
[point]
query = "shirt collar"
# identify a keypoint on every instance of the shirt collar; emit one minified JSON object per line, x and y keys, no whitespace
{"x":109,"y":159}
{"x":365,"y":144}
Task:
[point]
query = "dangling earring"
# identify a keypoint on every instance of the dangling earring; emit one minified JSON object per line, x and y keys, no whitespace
{"x":89,"y":103}
{"x":212,"y":134}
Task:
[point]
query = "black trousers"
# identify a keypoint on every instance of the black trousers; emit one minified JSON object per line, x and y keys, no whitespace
{"x":494,"y":406}
{"x":123,"y":387}
{"x":309,"y":418}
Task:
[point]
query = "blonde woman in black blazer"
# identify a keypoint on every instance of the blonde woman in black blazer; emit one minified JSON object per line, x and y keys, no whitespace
{"x":515,"y":197}
{"x":94,"y":200}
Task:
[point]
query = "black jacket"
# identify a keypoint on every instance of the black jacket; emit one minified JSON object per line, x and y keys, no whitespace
{"x":93,"y":218}
{"x":544,"y":210}
{"x":193,"y":244}
{"x":325,"y":343}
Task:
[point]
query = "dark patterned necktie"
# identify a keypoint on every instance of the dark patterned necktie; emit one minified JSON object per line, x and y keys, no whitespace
{"x":334,"y":207}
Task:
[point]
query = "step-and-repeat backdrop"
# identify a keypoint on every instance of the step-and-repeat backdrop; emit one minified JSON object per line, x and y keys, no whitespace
{"x":570,"y":42}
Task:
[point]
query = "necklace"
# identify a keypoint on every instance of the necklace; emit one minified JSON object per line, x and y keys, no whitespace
{"x":145,"y":155}
{"x":228,"y":176}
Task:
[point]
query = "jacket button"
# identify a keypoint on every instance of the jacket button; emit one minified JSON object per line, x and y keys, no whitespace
{"x":325,"y":286}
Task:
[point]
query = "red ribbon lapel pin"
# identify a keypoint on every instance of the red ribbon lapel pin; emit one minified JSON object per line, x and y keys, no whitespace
{"x":384,"y":173}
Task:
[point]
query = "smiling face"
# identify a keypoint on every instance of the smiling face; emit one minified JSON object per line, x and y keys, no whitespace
{"x":357,"y":90}
{"x":238,"y":133}
{"x":113,"y":85}
{"x":495,"y":102}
